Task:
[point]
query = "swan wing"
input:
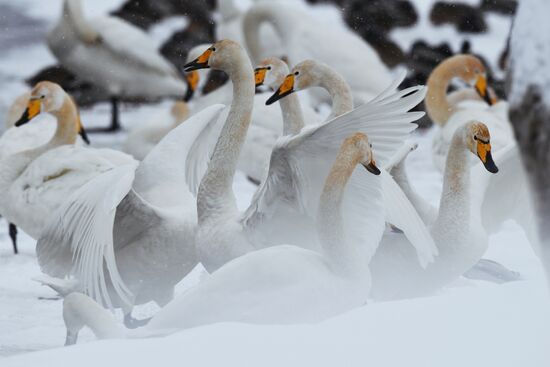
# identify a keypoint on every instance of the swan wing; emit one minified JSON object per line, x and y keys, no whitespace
{"x":401,"y":213}
{"x":166,"y":165}
{"x":79,"y":239}
{"x":201,"y":150}
{"x":299,"y":164}
{"x":504,"y":195}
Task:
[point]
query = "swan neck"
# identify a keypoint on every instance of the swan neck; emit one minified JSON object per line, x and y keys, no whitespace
{"x":215,"y":193}
{"x":344,"y":257}
{"x":259,"y":14}
{"x":453,"y":221}
{"x":437,"y":105}
{"x":339,"y":90}
{"x":73,"y":15}
{"x":293,"y":116}
{"x":67,"y":124}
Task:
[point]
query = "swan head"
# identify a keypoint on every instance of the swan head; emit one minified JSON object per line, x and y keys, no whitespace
{"x":219,"y":56}
{"x":271,"y":72}
{"x":304,"y":75}
{"x":359,"y":144}
{"x":472,"y":70}
{"x":478,"y":141}
{"x":193,"y":78}
{"x":44,"y":97}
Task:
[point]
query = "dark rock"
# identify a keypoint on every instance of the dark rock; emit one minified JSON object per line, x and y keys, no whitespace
{"x":464,"y":17}
{"x":506,"y":7}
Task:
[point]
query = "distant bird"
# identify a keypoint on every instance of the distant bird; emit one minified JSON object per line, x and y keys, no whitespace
{"x":114,"y":55}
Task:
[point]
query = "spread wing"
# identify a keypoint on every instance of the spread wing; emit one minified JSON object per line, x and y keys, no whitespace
{"x":79,"y":239}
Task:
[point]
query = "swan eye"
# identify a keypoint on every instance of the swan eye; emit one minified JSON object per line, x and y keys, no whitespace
{"x":42,"y":97}
{"x":213,"y":49}
{"x":269,"y":68}
{"x":370,"y":145}
{"x":296,"y":73}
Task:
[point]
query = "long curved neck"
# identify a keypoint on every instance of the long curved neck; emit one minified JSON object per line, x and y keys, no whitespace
{"x":264,"y":13}
{"x":345,"y":257}
{"x":73,"y":14}
{"x":293,"y":117}
{"x":215,"y":195}
{"x":338,"y":88}
{"x":439,"y":108}
{"x":453,"y":222}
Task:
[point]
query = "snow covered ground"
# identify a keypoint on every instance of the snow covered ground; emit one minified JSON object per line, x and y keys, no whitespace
{"x":468,"y":324}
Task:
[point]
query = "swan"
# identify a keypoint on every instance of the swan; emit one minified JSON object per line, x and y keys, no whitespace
{"x":450,"y":113}
{"x":456,"y":227}
{"x":142,"y":140}
{"x":302,"y":38}
{"x":272,"y":72}
{"x":37,"y":174}
{"x":315,"y":74}
{"x":282,"y":284}
{"x":18,"y":139}
{"x":285,"y":202}
{"x":131,"y":235}
{"x":115,"y":55}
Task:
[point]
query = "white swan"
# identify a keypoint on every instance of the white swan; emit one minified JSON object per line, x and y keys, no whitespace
{"x":456,"y":227}
{"x":36,"y":181}
{"x":451,"y":113}
{"x":285,"y":203}
{"x":113,"y":54}
{"x":131,"y":234}
{"x":281,"y":284}
{"x":272,"y":72}
{"x":303,"y":39}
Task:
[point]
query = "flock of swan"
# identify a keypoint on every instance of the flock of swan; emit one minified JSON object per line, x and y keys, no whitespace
{"x":334,"y":223}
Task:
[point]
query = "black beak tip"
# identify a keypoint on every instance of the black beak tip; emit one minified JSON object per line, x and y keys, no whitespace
{"x":490,"y":164}
{"x":372,"y":169}
{"x":274,"y":98}
{"x":23,"y":120}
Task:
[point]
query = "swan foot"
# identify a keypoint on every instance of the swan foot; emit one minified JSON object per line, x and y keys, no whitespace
{"x":491,"y":271}
{"x":115,"y":121}
{"x":13,"y":236}
{"x":71,"y":338}
{"x":133,"y":323}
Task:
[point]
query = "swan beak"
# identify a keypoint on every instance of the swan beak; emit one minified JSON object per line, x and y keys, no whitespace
{"x":484,"y":153}
{"x":259,"y":76}
{"x":482,"y":90}
{"x":82,"y":131}
{"x":284,"y":90}
{"x":200,"y":62}
{"x":192,"y":79}
{"x":33,"y":108}
{"x":371,"y":167}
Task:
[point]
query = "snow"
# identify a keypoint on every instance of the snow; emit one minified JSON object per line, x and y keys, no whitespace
{"x":530,"y":45}
{"x":470,"y":323}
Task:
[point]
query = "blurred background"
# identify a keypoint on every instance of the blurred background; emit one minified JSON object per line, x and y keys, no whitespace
{"x":414,"y":34}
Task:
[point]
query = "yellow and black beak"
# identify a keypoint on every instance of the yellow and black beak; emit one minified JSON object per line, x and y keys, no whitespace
{"x":259,"y":76}
{"x":484,"y":154}
{"x":200,"y":62}
{"x":82,"y":131}
{"x":284,"y":90}
{"x":192,"y":79}
{"x":482,"y":90}
{"x":371,"y":167}
{"x":33,"y":108}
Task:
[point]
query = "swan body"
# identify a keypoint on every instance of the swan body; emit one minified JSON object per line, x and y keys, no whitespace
{"x":135,"y":223}
{"x":282,"y":284}
{"x":285,"y":203}
{"x":37,"y":180}
{"x":451,"y":112}
{"x":456,"y":227}
{"x":113,"y":54}
{"x":303,"y":39}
